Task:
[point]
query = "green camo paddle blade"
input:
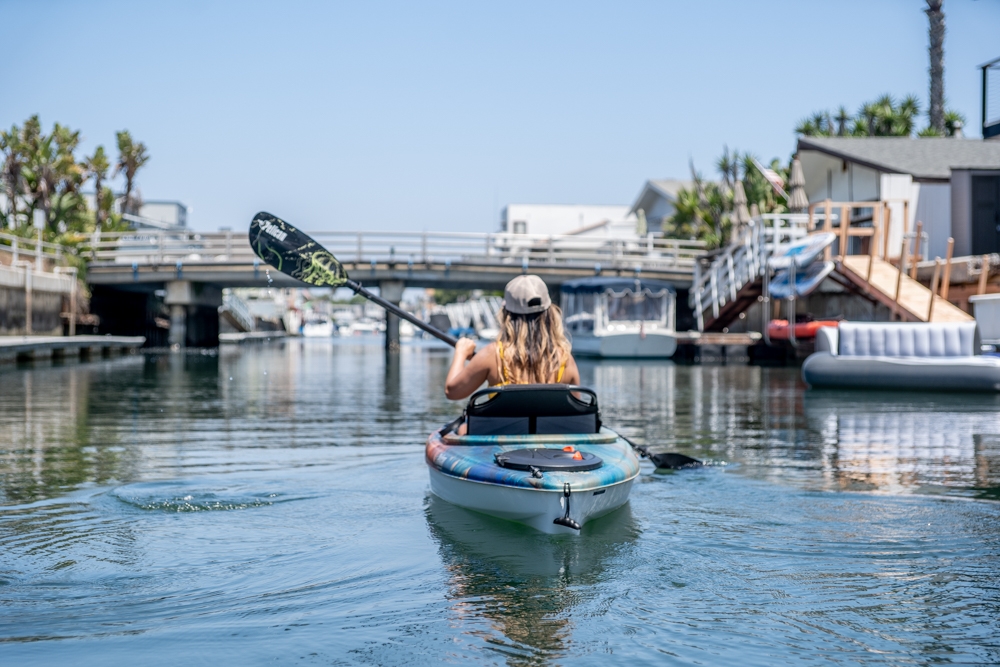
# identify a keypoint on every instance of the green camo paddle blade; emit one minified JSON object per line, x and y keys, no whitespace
{"x":293,"y":253}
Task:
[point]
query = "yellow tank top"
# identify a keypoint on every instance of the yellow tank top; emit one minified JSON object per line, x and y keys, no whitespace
{"x":505,"y":379}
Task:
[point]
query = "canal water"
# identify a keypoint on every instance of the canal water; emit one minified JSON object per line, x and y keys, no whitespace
{"x":270,"y":505}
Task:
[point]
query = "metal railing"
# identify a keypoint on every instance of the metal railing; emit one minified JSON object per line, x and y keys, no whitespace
{"x":743,"y":261}
{"x":162,"y":247}
{"x":22,"y":247}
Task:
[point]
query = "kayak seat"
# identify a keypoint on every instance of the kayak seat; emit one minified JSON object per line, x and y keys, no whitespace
{"x":533,"y":409}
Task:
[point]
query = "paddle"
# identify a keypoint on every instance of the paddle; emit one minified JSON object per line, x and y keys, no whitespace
{"x":294,"y":253}
{"x":665,"y":459}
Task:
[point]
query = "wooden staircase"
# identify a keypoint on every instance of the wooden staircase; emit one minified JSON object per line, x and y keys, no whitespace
{"x":910,"y":300}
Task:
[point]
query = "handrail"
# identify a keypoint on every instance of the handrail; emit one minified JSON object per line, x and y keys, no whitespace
{"x":19,"y":245}
{"x":161,"y":247}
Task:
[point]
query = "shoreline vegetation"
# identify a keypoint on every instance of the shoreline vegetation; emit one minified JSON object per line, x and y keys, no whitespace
{"x":42,"y":179}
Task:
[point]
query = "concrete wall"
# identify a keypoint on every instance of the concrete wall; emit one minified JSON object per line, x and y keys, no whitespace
{"x":46,"y":308}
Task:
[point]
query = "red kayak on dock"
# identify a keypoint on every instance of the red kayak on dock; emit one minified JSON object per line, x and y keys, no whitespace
{"x":778,"y":329}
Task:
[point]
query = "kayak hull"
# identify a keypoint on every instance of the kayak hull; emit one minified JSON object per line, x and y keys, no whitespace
{"x":532,"y":507}
{"x":464,"y":473}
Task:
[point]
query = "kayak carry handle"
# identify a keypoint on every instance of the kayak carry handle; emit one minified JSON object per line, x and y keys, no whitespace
{"x":565,"y":520}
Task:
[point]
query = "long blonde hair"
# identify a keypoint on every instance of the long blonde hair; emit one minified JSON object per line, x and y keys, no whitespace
{"x":534,"y":346}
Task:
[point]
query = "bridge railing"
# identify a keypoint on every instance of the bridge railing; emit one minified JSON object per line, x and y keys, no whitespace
{"x":164,"y":247}
{"x":24,"y":248}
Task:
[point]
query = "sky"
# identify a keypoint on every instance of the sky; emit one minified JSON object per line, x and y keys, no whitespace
{"x":434,"y":115}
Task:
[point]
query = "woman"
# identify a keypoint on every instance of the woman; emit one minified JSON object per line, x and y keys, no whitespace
{"x":531,"y":347}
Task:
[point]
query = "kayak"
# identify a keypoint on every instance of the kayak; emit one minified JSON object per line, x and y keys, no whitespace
{"x":778,"y":329}
{"x":534,"y":454}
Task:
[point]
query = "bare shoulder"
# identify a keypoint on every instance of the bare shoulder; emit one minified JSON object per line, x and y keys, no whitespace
{"x":488,"y":351}
{"x":572,"y":374}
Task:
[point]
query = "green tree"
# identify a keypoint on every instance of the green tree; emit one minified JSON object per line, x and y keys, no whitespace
{"x":97,"y":166}
{"x":131,"y":157}
{"x":704,"y":212}
{"x":936,"y":112}
{"x":52,"y":177}
{"x":12,"y":149}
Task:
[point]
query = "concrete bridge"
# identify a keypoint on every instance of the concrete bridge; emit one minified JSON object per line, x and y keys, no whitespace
{"x":127,"y":269}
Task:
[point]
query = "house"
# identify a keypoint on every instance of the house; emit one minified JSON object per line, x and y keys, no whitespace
{"x":560,"y":219}
{"x":162,"y":215}
{"x":657,"y":201}
{"x":951,"y":185}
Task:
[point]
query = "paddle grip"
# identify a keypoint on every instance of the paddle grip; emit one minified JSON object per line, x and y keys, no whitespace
{"x":396,"y":310}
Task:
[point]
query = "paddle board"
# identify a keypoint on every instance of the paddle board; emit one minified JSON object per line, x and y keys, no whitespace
{"x":804,"y":251}
{"x":806,"y":280}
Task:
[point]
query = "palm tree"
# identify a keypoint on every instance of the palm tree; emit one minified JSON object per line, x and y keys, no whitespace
{"x":12,"y":148}
{"x":842,"y":118}
{"x":97,"y":166}
{"x":131,"y":157}
{"x":936,"y":32}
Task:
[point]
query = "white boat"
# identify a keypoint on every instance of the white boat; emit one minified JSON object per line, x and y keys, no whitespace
{"x":534,"y":454}
{"x":620,"y":317}
{"x":317,"y":327}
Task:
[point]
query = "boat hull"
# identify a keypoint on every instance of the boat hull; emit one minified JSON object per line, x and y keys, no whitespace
{"x":467,"y":475}
{"x":632,"y":344}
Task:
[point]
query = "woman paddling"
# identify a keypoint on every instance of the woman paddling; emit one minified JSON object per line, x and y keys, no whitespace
{"x":531,"y":347}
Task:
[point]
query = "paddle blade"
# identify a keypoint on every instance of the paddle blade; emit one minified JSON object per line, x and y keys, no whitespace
{"x":294,"y":253}
{"x":675,"y":461}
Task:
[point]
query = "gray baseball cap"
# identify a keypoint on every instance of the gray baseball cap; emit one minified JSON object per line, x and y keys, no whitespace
{"x":526,"y":295}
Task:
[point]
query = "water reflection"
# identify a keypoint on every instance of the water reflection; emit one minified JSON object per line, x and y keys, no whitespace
{"x":524,"y":583}
{"x":897,"y":442}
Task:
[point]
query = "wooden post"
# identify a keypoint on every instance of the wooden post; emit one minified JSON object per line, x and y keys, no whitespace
{"x":934,"y":286}
{"x":899,"y":277}
{"x":827,"y":226}
{"x":916,"y":250}
{"x":946,"y":283}
{"x":873,"y":241}
{"x":812,"y":214}
{"x":886,"y":224}
{"x":845,"y":222}
{"x":984,"y":274}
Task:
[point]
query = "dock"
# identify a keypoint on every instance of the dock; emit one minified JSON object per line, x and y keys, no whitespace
{"x":26,"y":348}
{"x":240,"y":337}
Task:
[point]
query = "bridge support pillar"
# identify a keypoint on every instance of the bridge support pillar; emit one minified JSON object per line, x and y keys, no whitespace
{"x":194,"y":313}
{"x":392,"y":291}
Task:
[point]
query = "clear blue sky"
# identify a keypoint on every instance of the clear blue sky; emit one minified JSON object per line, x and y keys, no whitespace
{"x":433,"y":115}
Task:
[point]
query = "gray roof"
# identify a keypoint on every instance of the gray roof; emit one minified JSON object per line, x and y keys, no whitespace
{"x":928,"y":157}
{"x":665,"y":187}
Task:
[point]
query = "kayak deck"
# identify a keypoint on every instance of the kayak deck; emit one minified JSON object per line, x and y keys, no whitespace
{"x":471,"y":458}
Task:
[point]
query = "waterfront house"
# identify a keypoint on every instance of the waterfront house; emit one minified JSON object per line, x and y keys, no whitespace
{"x":657,"y":200}
{"x":951,"y":185}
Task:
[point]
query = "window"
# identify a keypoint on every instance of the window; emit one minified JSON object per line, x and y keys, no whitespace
{"x":520,"y":227}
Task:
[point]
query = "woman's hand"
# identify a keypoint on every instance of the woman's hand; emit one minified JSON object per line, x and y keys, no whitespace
{"x":465,"y":349}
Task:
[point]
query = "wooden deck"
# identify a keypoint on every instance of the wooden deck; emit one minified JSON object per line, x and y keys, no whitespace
{"x":914,"y":300}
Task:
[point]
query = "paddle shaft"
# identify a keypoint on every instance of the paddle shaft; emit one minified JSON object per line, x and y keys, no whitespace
{"x":396,"y":310}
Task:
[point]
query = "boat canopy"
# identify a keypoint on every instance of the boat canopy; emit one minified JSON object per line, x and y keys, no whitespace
{"x":600,"y":284}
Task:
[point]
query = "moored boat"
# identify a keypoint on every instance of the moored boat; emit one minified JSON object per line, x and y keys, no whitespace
{"x":535,"y":454}
{"x":620,"y":317}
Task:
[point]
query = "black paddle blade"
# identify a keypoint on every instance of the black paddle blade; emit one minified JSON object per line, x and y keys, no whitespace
{"x":672,"y":460}
{"x":293,"y":253}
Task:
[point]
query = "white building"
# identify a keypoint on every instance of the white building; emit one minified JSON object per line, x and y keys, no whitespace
{"x":952,"y":185}
{"x":560,"y":219}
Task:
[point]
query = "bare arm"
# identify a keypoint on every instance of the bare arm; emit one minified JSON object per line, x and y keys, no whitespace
{"x":463,"y":379}
{"x":572,"y":374}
